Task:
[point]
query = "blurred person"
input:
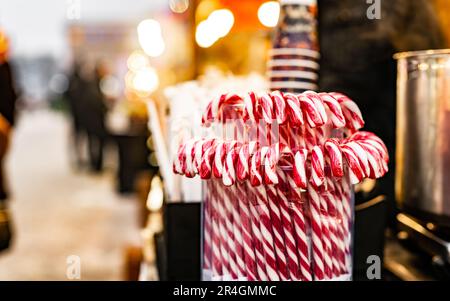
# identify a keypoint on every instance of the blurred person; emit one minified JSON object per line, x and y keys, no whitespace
{"x":357,"y":60}
{"x":76,"y":99}
{"x":94,"y":117}
{"x":8,"y":98}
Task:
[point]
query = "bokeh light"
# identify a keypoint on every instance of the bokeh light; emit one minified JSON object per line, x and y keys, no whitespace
{"x":216,"y":26}
{"x":179,"y":6}
{"x":144,"y":81}
{"x":137,"y":60}
{"x":156,"y":195}
{"x":150,"y":37}
{"x":222,"y":21}
{"x":268,"y":13}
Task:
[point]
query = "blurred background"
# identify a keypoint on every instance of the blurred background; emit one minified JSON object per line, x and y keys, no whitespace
{"x":102,"y":90}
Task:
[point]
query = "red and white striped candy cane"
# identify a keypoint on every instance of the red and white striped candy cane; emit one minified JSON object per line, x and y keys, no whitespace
{"x":371,"y":139}
{"x":189,"y":170}
{"x":247,"y":233}
{"x":218,"y":262}
{"x":334,"y":156}
{"x":352,"y":114}
{"x":233,"y":206}
{"x":294,"y":113}
{"x":374,"y":159}
{"x":250,"y":102}
{"x":271,"y":176}
{"x":361,"y":154}
{"x":298,"y":219}
{"x":292,"y":254}
{"x":319,"y":105}
{"x":317,"y":166}
{"x":257,"y":235}
{"x":229,"y":266}
{"x":299,"y":170}
{"x":318,"y":252}
{"x":205,"y":173}
{"x":207,"y":242}
{"x":280,"y":106}
{"x":356,"y":171}
{"x":177,"y":165}
{"x":310,"y":111}
{"x":326,"y":235}
{"x":336,"y":234}
{"x":265,"y":103}
{"x":252,"y":236}
{"x":207,"y":225}
{"x":317,"y":179}
{"x":207,"y":116}
{"x":335,"y":112}
{"x":320,"y":233}
{"x":260,"y":208}
{"x":335,"y":199}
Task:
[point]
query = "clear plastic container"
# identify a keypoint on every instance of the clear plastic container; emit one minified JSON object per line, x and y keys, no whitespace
{"x":276,"y":232}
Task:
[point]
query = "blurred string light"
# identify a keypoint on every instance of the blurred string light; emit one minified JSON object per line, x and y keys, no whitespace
{"x":110,"y":86}
{"x":205,"y":35}
{"x":156,"y":195}
{"x":216,"y":26}
{"x":179,"y":6}
{"x":150,"y":37}
{"x":144,"y":81}
{"x":268,"y":13}
{"x":137,"y":60}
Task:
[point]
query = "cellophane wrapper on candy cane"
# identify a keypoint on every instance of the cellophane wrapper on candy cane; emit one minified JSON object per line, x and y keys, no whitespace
{"x":273,"y":231}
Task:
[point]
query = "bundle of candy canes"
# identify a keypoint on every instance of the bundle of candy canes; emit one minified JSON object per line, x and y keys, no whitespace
{"x":278,"y":203}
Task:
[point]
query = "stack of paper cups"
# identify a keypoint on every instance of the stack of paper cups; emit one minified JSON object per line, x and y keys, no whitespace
{"x":293,"y":65}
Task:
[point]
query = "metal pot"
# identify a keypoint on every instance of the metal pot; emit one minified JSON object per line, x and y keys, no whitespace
{"x":423,"y":133}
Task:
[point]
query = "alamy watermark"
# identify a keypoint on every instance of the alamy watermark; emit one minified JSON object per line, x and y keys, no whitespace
{"x":374,"y":10}
{"x":374,"y":269}
{"x":73,"y":11}
{"x":73,"y":267}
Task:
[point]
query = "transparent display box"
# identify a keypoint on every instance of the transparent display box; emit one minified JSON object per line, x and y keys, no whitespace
{"x":255,"y":229}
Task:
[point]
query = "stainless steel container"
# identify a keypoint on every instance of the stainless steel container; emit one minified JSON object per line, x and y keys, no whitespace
{"x":423,"y":132}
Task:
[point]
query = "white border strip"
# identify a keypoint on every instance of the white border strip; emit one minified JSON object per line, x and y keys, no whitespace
{"x":289,"y":73}
{"x":293,"y":63}
{"x":293,"y":85}
{"x":294,"y":51}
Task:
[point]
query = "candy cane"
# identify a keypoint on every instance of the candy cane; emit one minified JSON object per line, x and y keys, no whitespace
{"x":264,"y":214}
{"x":219,"y":249}
{"x":336,"y":116}
{"x":225,"y":226}
{"x":294,"y":112}
{"x":309,"y":109}
{"x":234,"y":208}
{"x":317,"y":166}
{"x":207,"y":230}
{"x":298,"y":219}
{"x":355,"y":169}
{"x":337,"y":235}
{"x":293,"y":260}
{"x":280,"y":106}
{"x":334,"y":155}
{"x":272,"y":158}
{"x":352,"y":114}
{"x":316,"y":234}
{"x":318,"y":104}
{"x":265,"y":103}
{"x":252,"y":237}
